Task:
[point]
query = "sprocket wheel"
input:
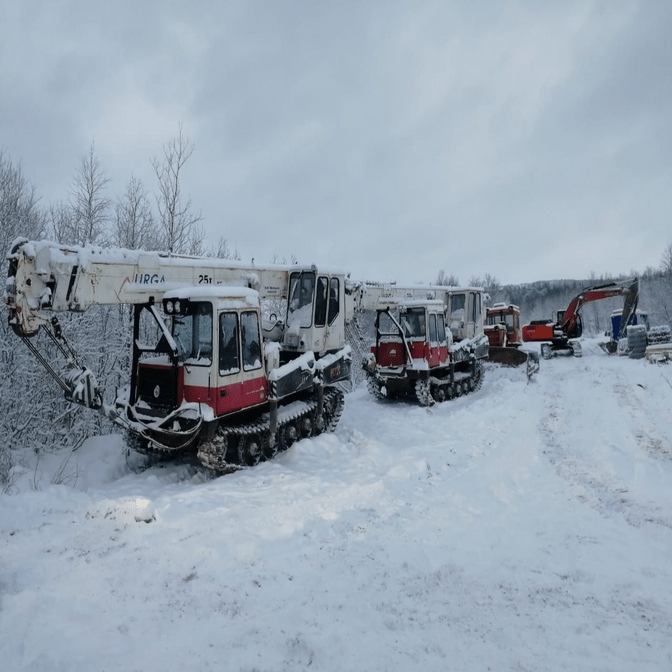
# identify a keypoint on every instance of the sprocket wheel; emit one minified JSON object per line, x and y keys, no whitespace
{"x":439,"y":393}
{"x":289,"y":434}
{"x":250,"y":450}
{"x":376,"y":389}
{"x":212,"y":454}
{"x":423,"y":392}
{"x":269,"y":445}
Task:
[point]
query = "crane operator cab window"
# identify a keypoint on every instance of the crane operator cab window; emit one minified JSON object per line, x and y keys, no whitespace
{"x":300,"y":303}
{"x":249,"y":336}
{"x":230,"y":337}
{"x":192,"y":332}
{"x":326,"y":301}
{"x":457,"y":302}
{"x":413,"y":322}
{"x":386,"y":325}
{"x":229,"y":361}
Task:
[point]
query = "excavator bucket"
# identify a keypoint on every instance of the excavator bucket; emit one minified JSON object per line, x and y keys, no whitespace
{"x":629,"y":307}
{"x":627,"y":316}
{"x":514,"y":357}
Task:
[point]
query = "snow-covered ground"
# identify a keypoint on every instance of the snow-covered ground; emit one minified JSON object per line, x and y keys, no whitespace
{"x":524,"y":527}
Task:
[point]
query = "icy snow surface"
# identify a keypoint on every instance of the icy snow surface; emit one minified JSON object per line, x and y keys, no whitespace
{"x":525,"y":527}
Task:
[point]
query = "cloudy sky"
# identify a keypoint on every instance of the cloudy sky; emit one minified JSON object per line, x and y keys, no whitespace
{"x":527,"y":140}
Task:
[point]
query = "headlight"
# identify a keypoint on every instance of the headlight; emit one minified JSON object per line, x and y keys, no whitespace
{"x":169,"y":307}
{"x":177,"y":305}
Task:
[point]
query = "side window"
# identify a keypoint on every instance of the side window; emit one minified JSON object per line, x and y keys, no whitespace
{"x":249,"y":332}
{"x":475,"y":312}
{"x":321,"y":302}
{"x":333,"y":300}
{"x":203,"y":334}
{"x":441,"y":328}
{"x":432,"y":328}
{"x":228,"y":343}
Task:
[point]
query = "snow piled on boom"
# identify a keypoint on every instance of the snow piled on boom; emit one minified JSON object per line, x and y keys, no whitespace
{"x":527,"y":526}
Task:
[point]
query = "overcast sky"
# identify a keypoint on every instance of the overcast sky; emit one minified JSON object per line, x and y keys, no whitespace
{"x":528,"y":140}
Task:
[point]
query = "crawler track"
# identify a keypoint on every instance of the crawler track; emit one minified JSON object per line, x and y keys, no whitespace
{"x":238,"y":446}
{"x":433,"y":389}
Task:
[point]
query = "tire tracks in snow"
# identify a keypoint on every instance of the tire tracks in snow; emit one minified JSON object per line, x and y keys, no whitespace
{"x":595,"y":473}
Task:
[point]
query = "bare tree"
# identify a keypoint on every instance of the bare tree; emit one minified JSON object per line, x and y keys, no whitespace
{"x":135,"y":227}
{"x":177,"y":219}
{"x":60,"y":223}
{"x":666,"y":261}
{"x":196,"y":240}
{"x":447,"y":280}
{"x":90,"y":208}
{"x":282,"y":261}
{"x":223,"y":251}
{"x":19,"y":211}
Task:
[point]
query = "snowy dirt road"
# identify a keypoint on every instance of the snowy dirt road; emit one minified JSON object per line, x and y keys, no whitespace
{"x":525,"y":527}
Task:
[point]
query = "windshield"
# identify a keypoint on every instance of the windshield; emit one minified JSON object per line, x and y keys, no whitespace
{"x":501,"y":318}
{"x":457,"y":306}
{"x":193,"y":334}
{"x":413,"y":322}
{"x":300,"y":304}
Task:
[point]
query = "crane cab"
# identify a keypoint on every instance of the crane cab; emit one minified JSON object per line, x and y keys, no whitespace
{"x":465,"y":312}
{"x":315,"y":311}
{"x":212,"y":354}
{"x":414,"y":335}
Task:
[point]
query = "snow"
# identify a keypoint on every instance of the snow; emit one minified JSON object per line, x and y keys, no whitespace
{"x":304,"y":362}
{"x":527,"y":526}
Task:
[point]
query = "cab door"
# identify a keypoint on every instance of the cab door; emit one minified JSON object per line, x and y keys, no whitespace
{"x":434,"y":352}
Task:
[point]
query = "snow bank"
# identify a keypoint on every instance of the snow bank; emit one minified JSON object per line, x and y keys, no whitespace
{"x":527,"y":526}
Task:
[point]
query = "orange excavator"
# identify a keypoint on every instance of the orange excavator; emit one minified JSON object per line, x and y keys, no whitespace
{"x":560,"y":337}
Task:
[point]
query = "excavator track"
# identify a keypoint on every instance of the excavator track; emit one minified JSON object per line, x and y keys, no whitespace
{"x":237,"y":447}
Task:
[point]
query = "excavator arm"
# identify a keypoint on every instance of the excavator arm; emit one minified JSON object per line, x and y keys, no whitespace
{"x":568,"y":324}
{"x":569,"y":320}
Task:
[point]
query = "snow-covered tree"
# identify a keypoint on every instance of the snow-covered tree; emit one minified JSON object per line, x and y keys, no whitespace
{"x":21,"y":389}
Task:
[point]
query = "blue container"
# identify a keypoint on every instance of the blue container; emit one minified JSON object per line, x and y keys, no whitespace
{"x":640,"y":318}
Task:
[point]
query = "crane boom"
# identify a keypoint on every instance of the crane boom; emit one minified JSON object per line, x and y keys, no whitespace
{"x":45,"y":277}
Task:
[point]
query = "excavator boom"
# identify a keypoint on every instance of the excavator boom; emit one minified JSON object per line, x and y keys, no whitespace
{"x":568,"y":324}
